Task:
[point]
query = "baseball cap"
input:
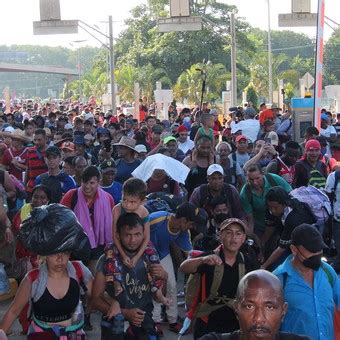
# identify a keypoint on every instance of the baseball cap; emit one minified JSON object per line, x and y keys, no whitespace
{"x":182,"y":128}
{"x":324,"y":116}
{"x":157,"y":129}
{"x":268,"y":122}
{"x":215,"y":168}
{"x":140,"y":148}
{"x":309,"y":237}
{"x":88,"y":116}
{"x":189,"y":211}
{"x":240,"y":137}
{"x":102,"y":130}
{"x":53,"y":151}
{"x":79,"y":140}
{"x":107,"y":165}
{"x":250,"y":112}
{"x":230,"y":221}
{"x":169,"y":139}
{"x":67,"y":146}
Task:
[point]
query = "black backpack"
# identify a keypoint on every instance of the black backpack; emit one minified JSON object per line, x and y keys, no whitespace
{"x":161,"y":201}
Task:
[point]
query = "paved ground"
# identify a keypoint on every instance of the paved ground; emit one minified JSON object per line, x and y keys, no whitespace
{"x":95,"y":320}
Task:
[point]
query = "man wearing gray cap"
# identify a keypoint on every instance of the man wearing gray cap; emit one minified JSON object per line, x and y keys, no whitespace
{"x":221,"y":271}
{"x":311,"y":286}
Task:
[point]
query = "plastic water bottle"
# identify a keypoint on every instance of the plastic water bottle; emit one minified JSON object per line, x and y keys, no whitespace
{"x":4,"y":282}
{"x":78,"y":314}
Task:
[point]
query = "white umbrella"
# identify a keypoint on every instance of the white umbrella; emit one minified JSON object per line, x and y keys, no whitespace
{"x":173,"y":168}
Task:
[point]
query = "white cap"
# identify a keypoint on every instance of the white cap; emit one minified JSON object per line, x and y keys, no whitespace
{"x":68,"y":126}
{"x":88,"y":116}
{"x":140,"y":148}
{"x":215,"y":168}
{"x":9,"y":129}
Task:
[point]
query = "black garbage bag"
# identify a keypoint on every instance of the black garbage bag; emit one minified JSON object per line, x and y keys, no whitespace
{"x":53,"y":229}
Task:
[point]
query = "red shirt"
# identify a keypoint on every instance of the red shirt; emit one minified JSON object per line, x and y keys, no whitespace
{"x":9,"y":154}
{"x":35,"y":162}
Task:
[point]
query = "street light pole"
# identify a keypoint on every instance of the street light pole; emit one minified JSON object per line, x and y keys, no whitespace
{"x":233,"y":61}
{"x":112,"y":70}
{"x":270,"y":63}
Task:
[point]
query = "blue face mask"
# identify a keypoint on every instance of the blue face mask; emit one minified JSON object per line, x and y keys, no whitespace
{"x":323,"y":151}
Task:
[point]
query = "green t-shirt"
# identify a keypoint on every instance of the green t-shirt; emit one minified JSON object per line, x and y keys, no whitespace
{"x":258,"y":205}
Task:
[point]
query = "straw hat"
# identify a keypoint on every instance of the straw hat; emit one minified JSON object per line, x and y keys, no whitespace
{"x":19,"y":134}
{"x":7,"y":131}
{"x":128,"y":142}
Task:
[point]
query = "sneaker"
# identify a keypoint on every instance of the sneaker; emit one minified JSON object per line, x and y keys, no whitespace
{"x":159,"y":330}
{"x":175,"y":327}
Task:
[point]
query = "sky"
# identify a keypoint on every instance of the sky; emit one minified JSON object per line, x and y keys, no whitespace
{"x":17,"y":16}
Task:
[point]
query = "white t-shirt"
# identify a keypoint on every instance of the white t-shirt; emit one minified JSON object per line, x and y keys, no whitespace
{"x":329,"y":189}
{"x":249,"y":127}
{"x":327,"y":133}
{"x":186,"y":146}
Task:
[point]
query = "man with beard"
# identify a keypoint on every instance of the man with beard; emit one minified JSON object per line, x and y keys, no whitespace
{"x":311,"y":287}
{"x":202,"y":195}
{"x":260,"y":307}
{"x":136,"y":303}
{"x":284,"y":166}
{"x":227,"y":265}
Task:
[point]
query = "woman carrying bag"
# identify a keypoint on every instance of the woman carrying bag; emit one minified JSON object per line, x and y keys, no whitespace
{"x":54,"y":289}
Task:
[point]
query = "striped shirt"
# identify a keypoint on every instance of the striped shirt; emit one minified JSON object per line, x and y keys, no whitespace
{"x":35,"y":162}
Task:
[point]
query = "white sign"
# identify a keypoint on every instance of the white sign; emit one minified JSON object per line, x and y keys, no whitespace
{"x":308,"y":80}
{"x":301,"y":6}
{"x":298,"y":19}
{"x":163,"y":96}
{"x":180,"y":24}
{"x":179,"y":8}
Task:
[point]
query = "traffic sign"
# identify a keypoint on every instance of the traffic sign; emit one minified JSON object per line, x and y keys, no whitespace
{"x":298,"y":19}
{"x":180,"y":24}
{"x":308,"y":80}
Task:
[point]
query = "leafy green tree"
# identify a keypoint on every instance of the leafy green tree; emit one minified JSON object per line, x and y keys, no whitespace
{"x":189,"y":83}
{"x":251,"y":94}
{"x":332,"y":58}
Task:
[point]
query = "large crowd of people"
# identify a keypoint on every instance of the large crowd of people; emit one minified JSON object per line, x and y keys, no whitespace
{"x":103,"y":212}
